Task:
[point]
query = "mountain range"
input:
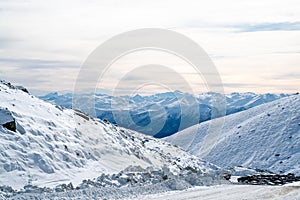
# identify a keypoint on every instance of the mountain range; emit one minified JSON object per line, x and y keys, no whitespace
{"x":163,"y":114}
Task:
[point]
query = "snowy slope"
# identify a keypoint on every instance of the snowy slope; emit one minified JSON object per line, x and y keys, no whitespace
{"x":52,"y":145}
{"x":144,"y":110}
{"x":264,"y":137}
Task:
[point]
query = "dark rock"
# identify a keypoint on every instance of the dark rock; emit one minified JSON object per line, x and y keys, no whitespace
{"x":22,"y":89}
{"x":226,"y":176}
{"x":81,"y":114}
{"x":270,"y":179}
{"x":10,"y":126}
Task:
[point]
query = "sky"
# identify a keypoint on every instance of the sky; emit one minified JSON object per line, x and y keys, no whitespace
{"x":255,"y":45}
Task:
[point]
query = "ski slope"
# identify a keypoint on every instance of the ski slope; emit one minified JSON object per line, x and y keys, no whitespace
{"x":264,"y":137}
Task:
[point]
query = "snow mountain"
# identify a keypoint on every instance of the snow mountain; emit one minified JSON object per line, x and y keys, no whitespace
{"x":46,"y":145}
{"x":266,"y":137}
{"x":146,"y":112}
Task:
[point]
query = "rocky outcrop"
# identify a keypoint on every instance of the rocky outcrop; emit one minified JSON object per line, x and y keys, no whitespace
{"x":8,"y":84}
{"x":10,"y":126}
{"x":22,"y":89}
{"x":7,"y":120}
{"x":274,"y":179}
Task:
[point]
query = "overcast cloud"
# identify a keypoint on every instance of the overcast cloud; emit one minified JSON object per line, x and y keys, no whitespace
{"x":255,"y":44}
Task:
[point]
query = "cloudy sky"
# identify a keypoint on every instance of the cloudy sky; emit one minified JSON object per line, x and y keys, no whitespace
{"x":255,"y":45}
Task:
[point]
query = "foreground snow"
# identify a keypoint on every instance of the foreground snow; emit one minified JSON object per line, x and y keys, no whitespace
{"x":231,"y":192}
{"x":165,"y":192}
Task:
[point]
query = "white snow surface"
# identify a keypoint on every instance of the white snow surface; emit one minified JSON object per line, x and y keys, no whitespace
{"x":265,"y":137}
{"x":230,"y":192}
{"x":54,"y":145}
{"x":220,"y":192}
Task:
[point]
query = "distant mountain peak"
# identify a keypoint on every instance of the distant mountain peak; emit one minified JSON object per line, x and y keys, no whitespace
{"x":138,"y":97}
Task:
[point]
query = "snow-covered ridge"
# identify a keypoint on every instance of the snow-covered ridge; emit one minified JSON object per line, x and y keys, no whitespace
{"x":265,"y":137}
{"x":51,"y":145}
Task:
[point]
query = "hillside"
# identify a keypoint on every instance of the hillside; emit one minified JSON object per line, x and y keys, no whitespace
{"x":46,"y":145}
{"x":264,"y":137}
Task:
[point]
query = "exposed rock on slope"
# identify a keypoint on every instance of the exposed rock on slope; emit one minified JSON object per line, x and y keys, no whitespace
{"x":6,"y":120}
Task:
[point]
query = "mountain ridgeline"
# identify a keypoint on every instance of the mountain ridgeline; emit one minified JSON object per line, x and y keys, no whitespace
{"x":140,"y":112}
